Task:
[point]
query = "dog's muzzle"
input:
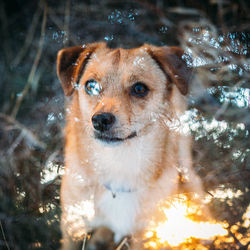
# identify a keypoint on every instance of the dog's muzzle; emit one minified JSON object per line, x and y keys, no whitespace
{"x":102,"y":124}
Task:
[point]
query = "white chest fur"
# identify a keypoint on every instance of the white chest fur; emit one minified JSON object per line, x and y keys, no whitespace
{"x":119,"y":213}
{"x":122,"y":170}
{"x":123,"y":166}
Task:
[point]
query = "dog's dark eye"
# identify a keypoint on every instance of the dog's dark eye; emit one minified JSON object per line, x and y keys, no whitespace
{"x":139,"y":89}
{"x":92,"y":87}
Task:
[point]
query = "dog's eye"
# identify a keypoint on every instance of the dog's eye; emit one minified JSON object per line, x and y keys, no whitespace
{"x":139,"y":89}
{"x":92,"y":87}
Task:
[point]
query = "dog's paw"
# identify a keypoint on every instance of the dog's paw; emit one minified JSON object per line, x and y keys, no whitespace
{"x":101,"y":239}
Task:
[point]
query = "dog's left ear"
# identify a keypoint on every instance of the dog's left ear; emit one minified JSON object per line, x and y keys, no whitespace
{"x":171,"y":62}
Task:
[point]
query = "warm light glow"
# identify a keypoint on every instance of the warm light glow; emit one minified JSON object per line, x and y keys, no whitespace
{"x":177,"y":226}
{"x":76,"y":216}
{"x":246,"y":218}
{"x":223,"y":193}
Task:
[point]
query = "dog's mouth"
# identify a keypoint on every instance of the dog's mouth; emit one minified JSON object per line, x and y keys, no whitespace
{"x":112,"y":139}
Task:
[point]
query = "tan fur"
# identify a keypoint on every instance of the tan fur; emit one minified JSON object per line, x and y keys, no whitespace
{"x":147,"y":164}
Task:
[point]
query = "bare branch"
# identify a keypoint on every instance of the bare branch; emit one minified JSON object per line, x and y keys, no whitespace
{"x":5,"y":32}
{"x":4,"y":238}
{"x":27,"y":134}
{"x":60,"y":25}
{"x":66,"y":22}
{"x":34,"y":66}
{"x":30,"y":35}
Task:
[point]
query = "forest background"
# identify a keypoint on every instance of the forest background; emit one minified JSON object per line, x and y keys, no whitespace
{"x":214,"y":32}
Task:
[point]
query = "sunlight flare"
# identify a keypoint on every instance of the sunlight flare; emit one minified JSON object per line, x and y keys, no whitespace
{"x":178,"y":226}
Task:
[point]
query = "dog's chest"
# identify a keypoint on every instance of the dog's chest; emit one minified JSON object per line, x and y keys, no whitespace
{"x":119,"y":213}
{"x":119,"y":172}
{"x":123,"y":171}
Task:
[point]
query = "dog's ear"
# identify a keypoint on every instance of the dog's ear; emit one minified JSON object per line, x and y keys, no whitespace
{"x":71,"y":63}
{"x":171,"y":62}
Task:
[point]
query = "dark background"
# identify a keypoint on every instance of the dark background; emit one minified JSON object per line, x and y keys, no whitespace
{"x":215,"y":32}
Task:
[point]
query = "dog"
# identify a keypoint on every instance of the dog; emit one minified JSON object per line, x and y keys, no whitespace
{"x":121,"y":156}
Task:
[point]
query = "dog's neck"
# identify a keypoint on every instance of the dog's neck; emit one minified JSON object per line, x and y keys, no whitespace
{"x":125,"y":167}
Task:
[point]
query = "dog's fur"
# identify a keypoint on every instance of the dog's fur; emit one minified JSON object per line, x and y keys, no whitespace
{"x":118,"y":184}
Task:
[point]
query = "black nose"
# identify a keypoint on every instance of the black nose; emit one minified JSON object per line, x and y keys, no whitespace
{"x":103,"y":122}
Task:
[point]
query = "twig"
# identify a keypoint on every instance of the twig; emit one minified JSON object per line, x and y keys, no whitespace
{"x":234,"y":177}
{"x":50,"y":185}
{"x":209,"y":193}
{"x":5,"y":32}
{"x":157,"y":10}
{"x":51,"y":157}
{"x":123,"y":243}
{"x":66,"y":23}
{"x":25,"y":132}
{"x":34,"y":66}
{"x":4,"y":238}
{"x":15,"y":143}
{"x":226,"y":103}
{"x":59,"y":24}
{"x":30,"y":35}
{"x":221,"y":15}
{"x":84,"y":241}
{"x":235,"y":238}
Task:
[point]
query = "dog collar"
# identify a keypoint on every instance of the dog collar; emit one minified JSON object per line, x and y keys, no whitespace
{"x":121,"y":189}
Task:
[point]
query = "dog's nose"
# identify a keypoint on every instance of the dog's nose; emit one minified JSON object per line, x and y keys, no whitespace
{"x":103,"y":122}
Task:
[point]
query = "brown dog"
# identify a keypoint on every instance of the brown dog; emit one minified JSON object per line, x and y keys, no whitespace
{"x":121,"y":157}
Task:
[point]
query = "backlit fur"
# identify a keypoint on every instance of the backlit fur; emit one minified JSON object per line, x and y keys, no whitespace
{"x":140,"y":171}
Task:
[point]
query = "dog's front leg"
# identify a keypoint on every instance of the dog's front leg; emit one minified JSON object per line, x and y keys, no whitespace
{"x":73,"y":233}
{"x":77,"y":210}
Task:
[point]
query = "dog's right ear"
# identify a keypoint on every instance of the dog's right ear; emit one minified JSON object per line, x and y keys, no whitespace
{"x":71,"y":63}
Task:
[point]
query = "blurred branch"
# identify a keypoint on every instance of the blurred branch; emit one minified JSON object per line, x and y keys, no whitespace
{"x":34,"y":66}
{"x":6,"y":45}
{"x":33,"y":140}
{"x":29,"y":36}
{"x":221,"y":15}
{"x":15,"y":143}
{"x":225,"y":105}
{"x":60,"y":25}
{"x":51,"y":157}
{"x":245,"y":7}
{"x":186,"y":11}
{"x":123,"y":244}
{"x":157,"y":10}
{"x":235,"y":177}
{"x":235,"y":238}
{"x":84,"y":241}
{"x":50,"y":185}
{"x":66,"y":22}
{"x":4,"y":238}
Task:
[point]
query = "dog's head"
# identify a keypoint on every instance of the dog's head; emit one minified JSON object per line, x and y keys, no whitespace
{"x":121,"y":92}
